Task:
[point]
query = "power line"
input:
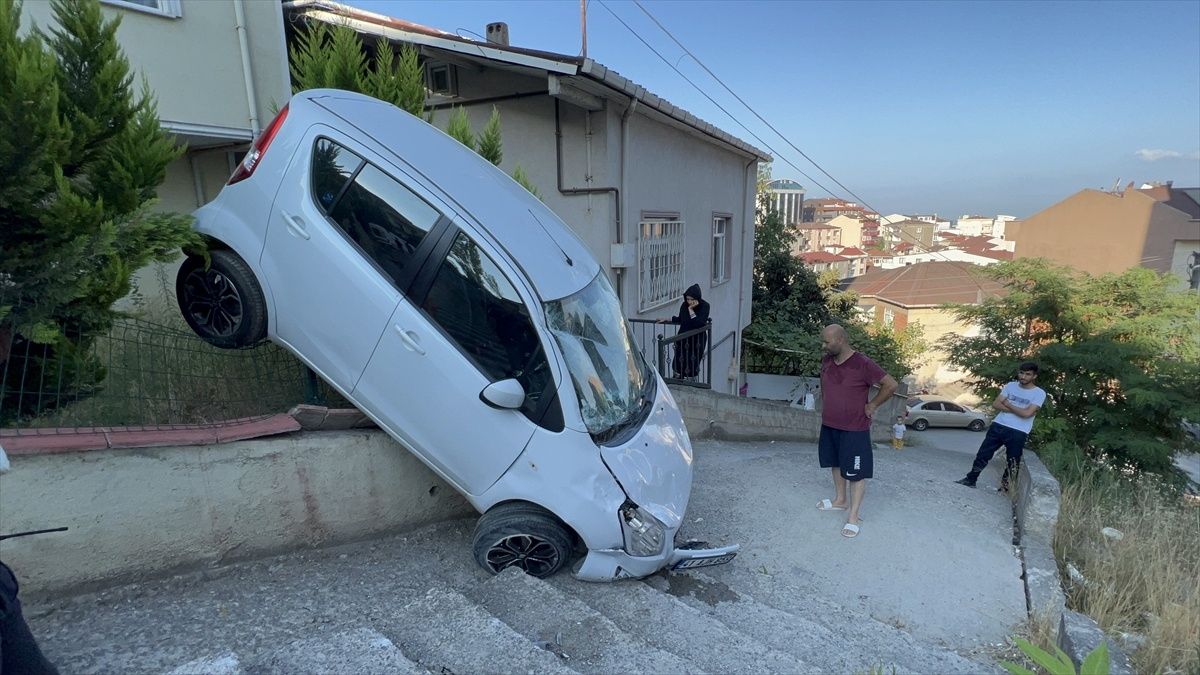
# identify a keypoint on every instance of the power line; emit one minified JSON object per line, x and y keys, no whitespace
{"x":710,"y":99}
{"x":687,"y":52}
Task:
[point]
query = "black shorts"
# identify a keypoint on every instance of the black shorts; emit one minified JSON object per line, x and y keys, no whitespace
{"x":850,"y":451}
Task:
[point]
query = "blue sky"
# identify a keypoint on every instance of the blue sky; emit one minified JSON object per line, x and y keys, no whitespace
{"x":916,"y":107}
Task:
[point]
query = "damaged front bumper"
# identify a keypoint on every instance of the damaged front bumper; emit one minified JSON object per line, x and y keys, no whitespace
{"x":613,"y":564}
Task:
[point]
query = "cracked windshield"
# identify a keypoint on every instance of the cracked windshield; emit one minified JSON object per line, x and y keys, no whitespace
{"x":606,"y":367}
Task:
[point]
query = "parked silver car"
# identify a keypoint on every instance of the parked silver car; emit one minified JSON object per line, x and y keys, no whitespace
{"x":926,"y":411}
{"x":464,"y":317}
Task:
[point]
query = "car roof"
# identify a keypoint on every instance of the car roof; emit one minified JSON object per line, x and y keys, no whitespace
{"x":553,"y":257}
{"x":929,"y":397}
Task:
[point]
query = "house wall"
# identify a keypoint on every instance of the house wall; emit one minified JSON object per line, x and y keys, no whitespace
{"x":1186,"y":251}
{"x":1167,"y":226}
{"x":670,"y":170}
{"x":851,"y":230}
{"x":1092,"y":231}
{"x":193,"y":63}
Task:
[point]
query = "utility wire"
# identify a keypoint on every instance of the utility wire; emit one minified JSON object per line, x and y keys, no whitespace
{"x":710,"y":99}
{"x":688,"y":52}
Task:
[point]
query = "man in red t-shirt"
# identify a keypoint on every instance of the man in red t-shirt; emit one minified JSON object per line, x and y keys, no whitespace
{"x":845,"y":446}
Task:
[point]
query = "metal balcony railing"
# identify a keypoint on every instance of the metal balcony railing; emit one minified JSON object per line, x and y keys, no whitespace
{"x":680,"y":358}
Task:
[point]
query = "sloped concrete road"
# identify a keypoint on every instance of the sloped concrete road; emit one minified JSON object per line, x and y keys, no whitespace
{"x":934,"y":560}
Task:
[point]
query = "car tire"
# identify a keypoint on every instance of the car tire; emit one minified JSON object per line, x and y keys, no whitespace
{"x":920,"y":425}
{"x":524,"y":535}
{"x":976,"y":425}
{"x":223,"y":303}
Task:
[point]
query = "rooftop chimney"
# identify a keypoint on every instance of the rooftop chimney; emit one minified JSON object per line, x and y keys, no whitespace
{"x":497,"y":33}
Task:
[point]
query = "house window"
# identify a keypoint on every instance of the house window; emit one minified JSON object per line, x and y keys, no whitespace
{"x":721,"y":249}
{"x":660,"y":263}
{"x":169,"y":8}
{"x":441,"y":79}
{"x":889,"y":316}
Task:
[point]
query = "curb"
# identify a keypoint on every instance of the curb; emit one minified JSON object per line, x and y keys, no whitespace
{"x":1036,"y":513}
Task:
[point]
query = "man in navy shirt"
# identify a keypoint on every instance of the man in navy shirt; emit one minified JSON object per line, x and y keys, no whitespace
{"x":845,"y":446}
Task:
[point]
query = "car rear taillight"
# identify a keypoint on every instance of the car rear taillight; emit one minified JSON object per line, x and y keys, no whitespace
{"x":254,"y":157}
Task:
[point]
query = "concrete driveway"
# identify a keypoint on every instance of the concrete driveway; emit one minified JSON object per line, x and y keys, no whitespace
{"x":933,"y":557}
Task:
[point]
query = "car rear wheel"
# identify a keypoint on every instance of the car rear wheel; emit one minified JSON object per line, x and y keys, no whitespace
{"x":920,"y":425}
{"x":223,"y":304}
{"x":976,"y":425}
{"x":519,"y":534}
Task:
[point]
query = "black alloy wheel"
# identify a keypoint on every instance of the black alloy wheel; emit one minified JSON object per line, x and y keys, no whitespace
{"x":523,"y":535}
{"x":976,"y":425}
{"x":222,"y":303}
{"x":920,"y":425}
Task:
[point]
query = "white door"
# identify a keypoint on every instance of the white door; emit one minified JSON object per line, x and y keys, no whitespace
{"x":342,"y":243}
{"x":465,"y":327}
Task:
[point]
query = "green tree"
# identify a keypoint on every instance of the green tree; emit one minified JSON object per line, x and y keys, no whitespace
{"x":325,"y":56}
{"x":81,"y":157}
{"x":791,"y":304}
{"x":1119,"y":357}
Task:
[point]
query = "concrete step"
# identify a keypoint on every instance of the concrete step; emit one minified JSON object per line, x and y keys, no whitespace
{"x":667,"y":623}
{"x":445,"y":632}
{"x":357,"y":652}
{"x":592,"y":643}
{"x":780,"y":614}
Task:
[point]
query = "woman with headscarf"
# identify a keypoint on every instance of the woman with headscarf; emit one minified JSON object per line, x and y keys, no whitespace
{"x":689,"y":351}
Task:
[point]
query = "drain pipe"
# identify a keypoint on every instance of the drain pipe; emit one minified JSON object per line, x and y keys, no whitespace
{"x":239,"y":12}
{"x":737,"y":345}
{"x":558,"y":142}
{"x":633,"y":103}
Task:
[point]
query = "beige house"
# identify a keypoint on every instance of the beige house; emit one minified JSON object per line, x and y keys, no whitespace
{"x":914,"y":293}
{"x":852,"y":230}
{"x":1155,"y":226}
{"x":218,"y":69}
{"x":815,"y":237}
{"x":916,"y":232}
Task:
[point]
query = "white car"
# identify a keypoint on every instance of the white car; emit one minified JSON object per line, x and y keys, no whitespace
{"x":466,"y":319}
{"x":924,"y":411}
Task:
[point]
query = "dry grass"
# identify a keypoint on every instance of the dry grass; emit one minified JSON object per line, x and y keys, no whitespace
{"x":1147,"y":582}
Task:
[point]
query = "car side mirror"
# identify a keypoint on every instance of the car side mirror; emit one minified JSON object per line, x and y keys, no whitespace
{"x":505,"y":394}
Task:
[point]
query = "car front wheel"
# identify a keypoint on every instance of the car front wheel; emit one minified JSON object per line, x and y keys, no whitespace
{"x":920,"y":425}
{"x":519,"y":534}
{"x":223,"y":304}
{"x":976,"y":425}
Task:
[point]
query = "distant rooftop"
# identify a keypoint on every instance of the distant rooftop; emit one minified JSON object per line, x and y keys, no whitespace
{"x":927,"y":284}
{"x":784,"y":184}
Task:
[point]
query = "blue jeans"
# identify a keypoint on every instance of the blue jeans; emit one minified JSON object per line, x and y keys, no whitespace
{"x":1014,"y":445}
{"x":19,"y":653}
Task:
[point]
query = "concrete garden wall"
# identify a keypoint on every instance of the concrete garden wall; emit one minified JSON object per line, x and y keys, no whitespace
{"x":140,"y":512}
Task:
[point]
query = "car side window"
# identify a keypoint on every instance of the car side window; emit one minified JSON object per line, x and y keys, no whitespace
{"x":332,"y":167}
{"x":475,"y":304}
{"x":384,"y":219}
{"x":933,"y":406}
{"x":954,"y":407}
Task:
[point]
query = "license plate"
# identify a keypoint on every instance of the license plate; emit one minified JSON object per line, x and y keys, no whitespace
{"x":704,"y":562}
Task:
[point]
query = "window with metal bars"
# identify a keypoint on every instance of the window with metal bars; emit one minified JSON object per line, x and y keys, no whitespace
{"x":660,"y":263}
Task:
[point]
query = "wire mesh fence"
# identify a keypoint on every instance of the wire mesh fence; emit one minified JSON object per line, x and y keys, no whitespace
{"x":147,"y":374}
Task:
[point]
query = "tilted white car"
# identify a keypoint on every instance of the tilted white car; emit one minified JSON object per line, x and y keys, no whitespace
{"x":466,"y":319}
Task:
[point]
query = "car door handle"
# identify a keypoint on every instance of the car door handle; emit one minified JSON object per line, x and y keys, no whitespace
{"x":409,"y":339}
{"x":296,"y":225}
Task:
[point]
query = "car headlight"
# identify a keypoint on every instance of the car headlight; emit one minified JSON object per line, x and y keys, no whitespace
{"x":644,"y":534}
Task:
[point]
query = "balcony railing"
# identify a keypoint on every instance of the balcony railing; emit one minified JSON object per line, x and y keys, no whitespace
{"x":680,"y":358}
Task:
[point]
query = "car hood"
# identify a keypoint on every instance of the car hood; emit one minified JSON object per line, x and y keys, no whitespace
{"x":551,"y":255}
{"x":655,"y":466}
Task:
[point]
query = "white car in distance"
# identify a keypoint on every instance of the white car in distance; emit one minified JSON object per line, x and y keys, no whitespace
{"x":465,"y":318}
